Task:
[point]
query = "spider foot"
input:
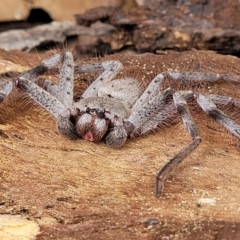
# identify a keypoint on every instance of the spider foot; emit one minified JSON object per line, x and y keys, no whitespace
{"x":159,"y":187}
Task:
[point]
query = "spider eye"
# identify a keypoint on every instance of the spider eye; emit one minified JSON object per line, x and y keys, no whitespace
{"x":87,"y":110}
{"x":101,"y":113}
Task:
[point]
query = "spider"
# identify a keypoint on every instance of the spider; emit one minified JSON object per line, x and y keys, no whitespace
{"x":113,"y":109}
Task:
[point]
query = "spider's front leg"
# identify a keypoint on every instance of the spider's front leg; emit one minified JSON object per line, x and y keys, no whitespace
{"x":65,"y":116}
{"x":59,"y":106}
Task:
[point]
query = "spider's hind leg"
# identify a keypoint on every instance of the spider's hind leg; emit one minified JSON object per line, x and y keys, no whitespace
{"x":183,"y":110}
{"x":211,"y":109}
{"x":32,"y":75}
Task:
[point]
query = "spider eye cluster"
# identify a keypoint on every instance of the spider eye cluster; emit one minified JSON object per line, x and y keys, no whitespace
{"x":99,"y":112}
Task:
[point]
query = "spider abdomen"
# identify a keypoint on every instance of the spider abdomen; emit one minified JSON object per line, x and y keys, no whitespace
{"x":125,"y":90}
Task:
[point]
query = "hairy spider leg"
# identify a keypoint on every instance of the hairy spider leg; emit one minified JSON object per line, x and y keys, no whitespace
{"x":145,"y":117}
{"x":211,"y":109}
{"x":223,"y":100}
{"x":201,"y":77}
{"x":43,"y":97}
{"x":111,"y":69}
{"x":217,"y":99}
{"x":59,"y":106}
{"x":66,"y":80}
{"x":151,"y":90}
{"x":151,"y":114}
{"x":53,"y":105}
{"x":64,"y":91}
{"x":5,"y":89}
{"x":207,"y":103}
{"x":182,"y":108}
{"x":155,"y":112}
{"x":32,"y":74}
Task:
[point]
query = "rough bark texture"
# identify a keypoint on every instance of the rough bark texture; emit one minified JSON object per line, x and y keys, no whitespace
{"x":156,"y":25}
{"x":26,"y":35}
{"x":56,"y":32}
{"x":81,"y":190}
{"x":164,"y":24}
{"x":59,"y":11}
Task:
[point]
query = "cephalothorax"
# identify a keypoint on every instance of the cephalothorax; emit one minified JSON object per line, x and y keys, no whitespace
{"x":114,"y":109}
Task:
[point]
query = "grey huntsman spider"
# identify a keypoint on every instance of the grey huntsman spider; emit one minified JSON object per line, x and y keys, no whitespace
{"x":114,"y":109}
